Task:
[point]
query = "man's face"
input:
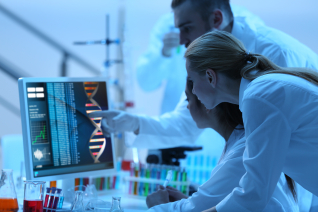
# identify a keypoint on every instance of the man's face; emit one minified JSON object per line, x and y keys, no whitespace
{"x":190,"y":23}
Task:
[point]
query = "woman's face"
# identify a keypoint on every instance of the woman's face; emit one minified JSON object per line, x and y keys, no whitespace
{"x":197,"y":110}
{"x":202,"y":88}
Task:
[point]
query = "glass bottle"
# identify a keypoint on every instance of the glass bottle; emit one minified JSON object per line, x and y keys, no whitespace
{"x":8,"y":196}
{"x":116,"y":205}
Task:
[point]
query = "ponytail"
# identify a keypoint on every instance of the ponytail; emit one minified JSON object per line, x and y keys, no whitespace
{"x":222,"y":52}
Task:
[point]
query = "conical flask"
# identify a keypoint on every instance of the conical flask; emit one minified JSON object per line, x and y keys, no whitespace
{"x":77,"y":204}
{"x":116,"y":205}
{"x":8,"y":196}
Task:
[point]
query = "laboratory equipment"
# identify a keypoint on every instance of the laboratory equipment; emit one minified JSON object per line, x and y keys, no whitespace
{"x":170,"y":156}
{"x":60,"y":141}
{"x":89,"y":192}
{"x":47,"y":197}
{"x":61,"y":200}
{"x":116,"y":205}
{"x":51,"y":199}
{"x":151,"y":175}
{"x":77,"y":204}
{"x":168,"y":178}
{"x":98,"y":205}
{"x":33,"y":196}
{"x":56,"y":198}
{"x":8,"y":196}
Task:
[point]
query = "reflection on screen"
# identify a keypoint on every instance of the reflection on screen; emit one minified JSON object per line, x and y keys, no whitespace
{"x":63,"y":138}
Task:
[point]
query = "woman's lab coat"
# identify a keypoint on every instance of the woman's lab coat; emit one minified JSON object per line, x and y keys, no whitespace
{"x":153,"y":69}
{"x":280,"y":114}
{"x":224,"y":178}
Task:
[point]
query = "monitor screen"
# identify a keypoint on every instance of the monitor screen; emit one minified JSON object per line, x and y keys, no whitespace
{"x":62,"y":138}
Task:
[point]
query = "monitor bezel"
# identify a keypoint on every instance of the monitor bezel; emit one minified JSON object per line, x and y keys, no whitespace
{"x":27,"y":136}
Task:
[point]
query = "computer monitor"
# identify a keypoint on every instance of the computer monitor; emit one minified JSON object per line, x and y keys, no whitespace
{"x":60,"y":140}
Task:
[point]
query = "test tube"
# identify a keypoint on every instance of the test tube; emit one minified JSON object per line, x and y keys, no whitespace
{"x":174,"y":29}
{"x":136,"y":175}
{"x":184,"y":179}
{"x":56,"y":198}
{"x":60,"y":203}
{"x":51,"y":200}
{"x":132,"y":168}
{"x":175,"y":175}
{"x":119,"y":162}
{"x":48,"y":190}
{"x":153,"y":176}
{"x":147,"y":170}
{"x":141,"y":184}
{"x":158,"y":173}
{"x":180,"y":178}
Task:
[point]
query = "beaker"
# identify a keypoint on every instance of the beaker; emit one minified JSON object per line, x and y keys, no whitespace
{"x":8,"y":196}
{"x":116,"y":205}
{"x":33,"y":196}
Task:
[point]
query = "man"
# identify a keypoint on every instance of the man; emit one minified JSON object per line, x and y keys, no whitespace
{"x":164,"y":62}
{"x":195,"y":18}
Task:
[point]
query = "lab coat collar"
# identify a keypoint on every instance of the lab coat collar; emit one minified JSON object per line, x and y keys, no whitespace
{"x":243,"y":86}
{"x":245,"y":32}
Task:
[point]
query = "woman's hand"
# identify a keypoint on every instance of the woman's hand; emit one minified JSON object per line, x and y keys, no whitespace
{"x":159,"y":197}
{"x":175,"y":194}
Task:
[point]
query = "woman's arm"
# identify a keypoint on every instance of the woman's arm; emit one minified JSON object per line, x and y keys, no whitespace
{"x":267,"y":139}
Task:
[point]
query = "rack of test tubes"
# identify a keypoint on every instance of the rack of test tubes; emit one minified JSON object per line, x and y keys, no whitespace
{"x":54,"y":198}
{"x":199,"y":167}
{"x":145,"y":178}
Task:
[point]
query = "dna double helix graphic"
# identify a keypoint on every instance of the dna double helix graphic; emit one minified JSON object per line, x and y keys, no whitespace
{"x":97,"y":141}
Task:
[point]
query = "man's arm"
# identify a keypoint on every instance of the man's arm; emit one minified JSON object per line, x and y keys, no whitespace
{"x":172,"y":129}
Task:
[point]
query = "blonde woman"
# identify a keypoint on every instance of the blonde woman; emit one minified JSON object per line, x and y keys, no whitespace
{"x":226,"y":119}
{"x":280,"y":114}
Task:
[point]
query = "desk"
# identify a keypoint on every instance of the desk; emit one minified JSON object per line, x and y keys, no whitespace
{"x":128,"y":203}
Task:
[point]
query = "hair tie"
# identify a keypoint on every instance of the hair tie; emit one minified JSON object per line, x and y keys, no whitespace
{"x":248,"y":57}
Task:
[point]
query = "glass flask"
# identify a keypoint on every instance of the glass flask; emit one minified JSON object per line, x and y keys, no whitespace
{"x":77,"y":205}
{"x":33,"y":196}
{"x":116,"y":205}
{"x":8,"y":196}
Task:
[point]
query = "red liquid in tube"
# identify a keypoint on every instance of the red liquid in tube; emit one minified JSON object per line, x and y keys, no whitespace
{"x":56,"y":200}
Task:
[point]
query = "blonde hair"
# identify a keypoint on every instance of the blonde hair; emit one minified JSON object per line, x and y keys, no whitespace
{"x":223,"y":53}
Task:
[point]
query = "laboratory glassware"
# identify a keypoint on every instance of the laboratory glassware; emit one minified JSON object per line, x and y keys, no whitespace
{"x":116,"y":205}
{"x":33,"y":196}
{"x":77,"y":204}
{"x":8,"y":196}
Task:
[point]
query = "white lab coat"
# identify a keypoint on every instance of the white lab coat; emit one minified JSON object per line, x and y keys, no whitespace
{"x":177,"y":128}
{"x":153,"y":69}
{"x":280,"y":114}
{"x":224,"y":178}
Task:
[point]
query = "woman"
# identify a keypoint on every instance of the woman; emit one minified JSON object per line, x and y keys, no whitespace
{"x":226,"y":119}
{"x":279,"y":107}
